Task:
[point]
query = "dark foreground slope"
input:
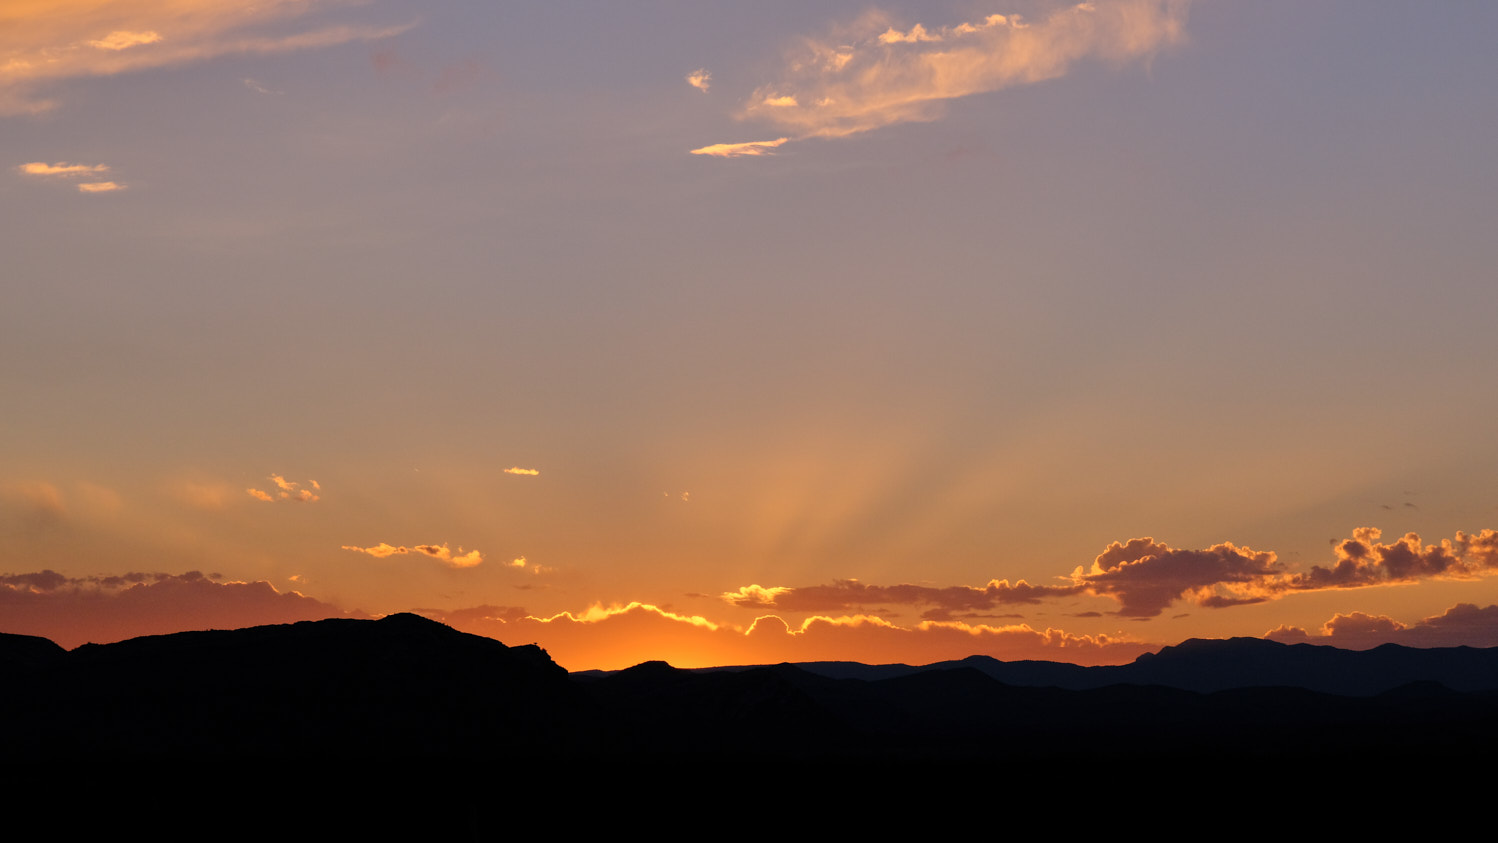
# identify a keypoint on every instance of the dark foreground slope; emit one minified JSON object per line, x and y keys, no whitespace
{"x":402,"y":685}
{"x":405,"y":686}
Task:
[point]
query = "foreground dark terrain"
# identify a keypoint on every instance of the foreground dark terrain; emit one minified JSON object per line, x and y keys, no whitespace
{"x":408,"y":687}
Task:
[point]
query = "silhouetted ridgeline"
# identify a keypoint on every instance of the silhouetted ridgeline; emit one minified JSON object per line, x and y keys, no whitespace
{"x":407,"y":686}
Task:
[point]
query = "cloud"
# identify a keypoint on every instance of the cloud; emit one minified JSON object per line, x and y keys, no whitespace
{"x":739,"y":150}
{"x":1363,"y":561}
{"x":1462,"y":625}
{"x":518,"y":470}
{"x":288,"y":491}
{"x":65,"y":170}
{"x":441,"y":552}
{"x":623,"y":635}
{"x":700,"y":79}
{"x":851,"y":595}
{"x":123,"y":40}
{"x":73,"y":611}
{"x":45,"y":43}
{"x":916,"y":35}
{"x":259,"y":88}
{"x":872,"y":74}
{"x":1145,"y":577}
{"x":38,"y":168}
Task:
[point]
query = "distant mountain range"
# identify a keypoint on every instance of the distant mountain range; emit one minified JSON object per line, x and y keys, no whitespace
{"x":406,"y":686}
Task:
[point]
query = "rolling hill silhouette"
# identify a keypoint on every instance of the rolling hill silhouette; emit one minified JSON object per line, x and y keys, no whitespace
{"x":405,"y":686}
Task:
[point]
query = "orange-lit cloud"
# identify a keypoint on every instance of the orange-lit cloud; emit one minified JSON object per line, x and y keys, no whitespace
{"x":700,"y":79}
{"x":66,"y":171}
{"x":1362,"y":560}
{"x":740,"y":150}
{"x":1145,"y":577}
{"x":874,"y":74}
{"x":850,"y":595}
{"x":621,"y":636}
{"x":73,"y":611}
{"x":123,"y":40}
{"x":39,"y":168}
{"x":525,"y":471}
{"x":44,"y":43}
{"x":288,"y":491}
{"x":1462,"y":625}
{"x":441,"y":552}
{"x":916,"y":35}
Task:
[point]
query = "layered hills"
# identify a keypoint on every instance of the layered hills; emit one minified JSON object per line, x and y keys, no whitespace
{"x":405,"y":686}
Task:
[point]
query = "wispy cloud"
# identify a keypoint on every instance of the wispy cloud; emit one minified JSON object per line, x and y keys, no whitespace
{"x":700,"y":79}
{"x":440,"y":552}
{"x":852,"y":595}
{"x":38,"y":168}
{"x":259,"y":88}
{"x":518,"y":470}
{"x":739,"y":150}
{"x":288,"y":491}
{"x":872,"y":73}
{"x":63,"y":170}
{"x":44,"y":43}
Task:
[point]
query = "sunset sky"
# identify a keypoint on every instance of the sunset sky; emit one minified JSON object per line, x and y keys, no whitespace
{"x":727,"y":332}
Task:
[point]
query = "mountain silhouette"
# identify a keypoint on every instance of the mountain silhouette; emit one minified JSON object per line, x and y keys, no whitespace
{"x":406,"y":686}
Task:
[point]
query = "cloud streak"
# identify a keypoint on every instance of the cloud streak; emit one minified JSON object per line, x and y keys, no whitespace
{"x":851,"y":595}
{"x":39,"y":168}
{"x":740,"y":150}
{"x":44,"y":43}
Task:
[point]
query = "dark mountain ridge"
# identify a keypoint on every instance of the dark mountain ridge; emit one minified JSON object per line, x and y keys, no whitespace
{"x":408,"y":686}
{"x":1209,"y":665}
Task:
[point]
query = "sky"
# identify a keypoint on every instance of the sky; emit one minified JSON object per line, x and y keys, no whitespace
{"x":730,"y":333}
